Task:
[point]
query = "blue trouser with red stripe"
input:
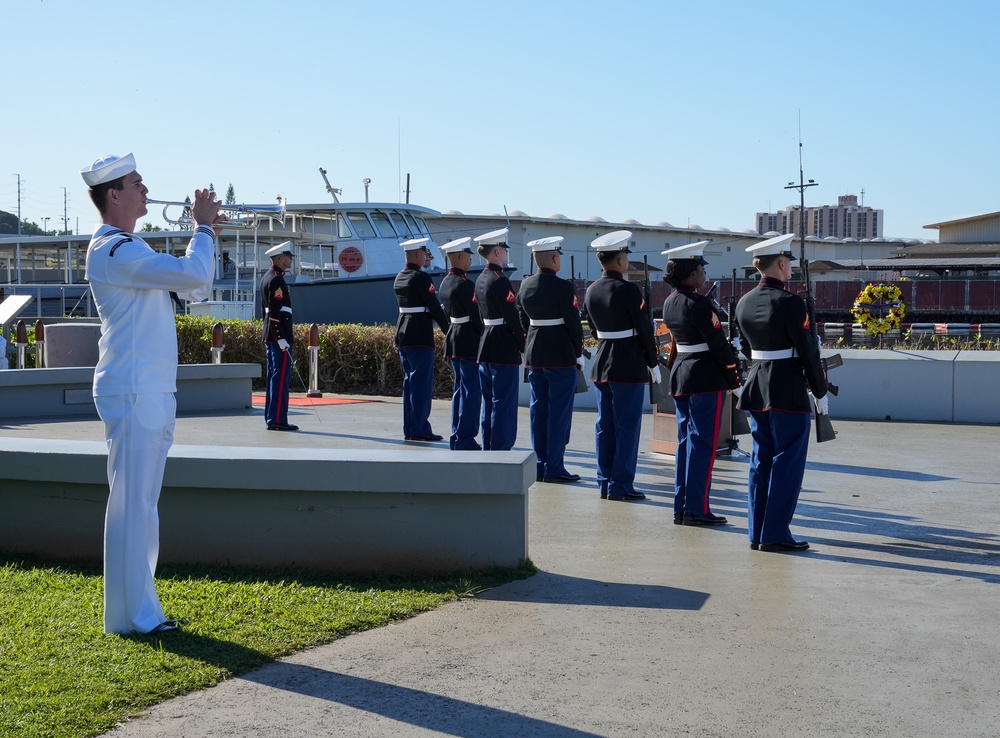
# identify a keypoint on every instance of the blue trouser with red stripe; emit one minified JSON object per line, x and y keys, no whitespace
{"x":619,"y":422}
{"x":698,"y":420}
{"x":777,"y":466}
{"x":418,"y":386}
{"x":279,"y":377}
{"x":466,"y":403}
{"x":499,"y":384}
{"x":552,"y":395}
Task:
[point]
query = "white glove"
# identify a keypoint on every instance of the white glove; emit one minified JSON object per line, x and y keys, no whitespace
{"x":819,"y":341}
{"x":737,"y":344}
{"x":283,"y":344}
{"x":654,"y":372}
{"x":738,"y":392}
{"x":823,"y":405}
{"x":579,"y":363}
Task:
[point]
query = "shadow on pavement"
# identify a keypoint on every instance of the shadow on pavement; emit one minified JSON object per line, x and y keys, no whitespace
{"x":417,"y":707}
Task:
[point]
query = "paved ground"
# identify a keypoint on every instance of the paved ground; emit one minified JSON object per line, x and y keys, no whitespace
{"x":888,"y":626}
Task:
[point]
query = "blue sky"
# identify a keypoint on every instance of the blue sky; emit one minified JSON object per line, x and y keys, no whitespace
{"x":659,"y":111}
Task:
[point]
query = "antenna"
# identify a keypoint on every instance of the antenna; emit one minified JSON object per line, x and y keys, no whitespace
{"x":801,"y":187}
{"x":334,"y":191}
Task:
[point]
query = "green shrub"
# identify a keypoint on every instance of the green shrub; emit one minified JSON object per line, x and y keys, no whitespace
{"x":352,"y":359}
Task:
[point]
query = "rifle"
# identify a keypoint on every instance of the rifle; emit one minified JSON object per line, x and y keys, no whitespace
{"x":656,"y":393}
{"x":824,"y":428}
{"x":738,"y":423}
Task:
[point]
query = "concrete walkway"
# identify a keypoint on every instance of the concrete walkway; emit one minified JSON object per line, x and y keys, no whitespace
{"x":887,"y":626}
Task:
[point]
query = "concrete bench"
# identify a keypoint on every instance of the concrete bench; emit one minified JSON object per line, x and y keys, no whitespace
{"x":329,"y":510}
{"x":69,"y":391}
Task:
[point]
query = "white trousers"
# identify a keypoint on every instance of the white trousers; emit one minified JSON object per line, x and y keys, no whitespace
{"x":139,"y":431}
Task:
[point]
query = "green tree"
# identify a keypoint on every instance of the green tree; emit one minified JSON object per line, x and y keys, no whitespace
{"x":148,"y":227}
{"x":8,"y":224}
{"x":230,"y":195}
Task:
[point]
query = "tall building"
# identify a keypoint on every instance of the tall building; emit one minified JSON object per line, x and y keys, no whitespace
{"x":846,"y":219}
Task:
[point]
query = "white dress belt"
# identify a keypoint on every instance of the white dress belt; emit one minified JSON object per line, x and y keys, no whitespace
{"x":493,"y":321}
{"x":546,"y":322}
{"x":612,"y":335}
{"x":459,"y":321}
{"x":773,"y":355}
{"x":691,"y":348}
{"x":404,"y":311}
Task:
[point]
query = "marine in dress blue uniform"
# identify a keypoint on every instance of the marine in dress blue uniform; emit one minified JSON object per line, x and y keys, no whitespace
{"x":458,"y":298}
{"x":625,"y":359}
{"x":419,"y":309}
{"x":785,"y":365}
{"x":276,"y":309}
{"x":136,"y":377}
{"x":501,"y":345}
{"x":703,"y":370}
{"x":550,"y":315}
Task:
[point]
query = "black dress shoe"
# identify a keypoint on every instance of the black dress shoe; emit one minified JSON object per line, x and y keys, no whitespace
{"x":429,"y":437}
{"x":628,"y":496}
{"x":706,"y":519}
{"x":285,"y":427}
{"x":785,"y":546}
{"x":754,"y":546}
{"x":167,"y":626}
{"x":678,"y":518}
{"x":562,"y":479}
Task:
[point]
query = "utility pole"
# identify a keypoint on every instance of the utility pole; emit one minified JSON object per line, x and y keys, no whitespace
{"x":801,"y":187}
{"x":18,"y":204}
{"x":861,"y":245}
{"x":65,"y":218}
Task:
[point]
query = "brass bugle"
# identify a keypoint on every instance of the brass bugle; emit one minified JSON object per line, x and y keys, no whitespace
{"x":239,"y":216}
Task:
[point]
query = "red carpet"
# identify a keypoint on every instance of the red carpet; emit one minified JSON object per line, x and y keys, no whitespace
{"x":258,"y":399}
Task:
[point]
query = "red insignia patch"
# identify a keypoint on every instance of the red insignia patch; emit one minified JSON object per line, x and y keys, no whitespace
{"x":510,"y":296}
{"x":805,"y":323}
{"x":576,"y":303}
{"x":278,"y":294}
{"x":715,"y":321}
{"x":431,"y":288}
{"x":474,"y":300}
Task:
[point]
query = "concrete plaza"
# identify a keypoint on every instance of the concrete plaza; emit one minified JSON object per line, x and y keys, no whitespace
{"x":887,"y":626}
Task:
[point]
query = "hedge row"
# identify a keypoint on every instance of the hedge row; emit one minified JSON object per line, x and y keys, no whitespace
{"x":353,"y":359}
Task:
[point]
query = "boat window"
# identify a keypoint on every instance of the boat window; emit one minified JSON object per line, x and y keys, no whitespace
{"x":421,"y":225}
{"x":343,"y":230}
{"x":383,"y":225}
{"x":401,"y":227}
{"x":417,"y":231}
{"x":361,"y":224}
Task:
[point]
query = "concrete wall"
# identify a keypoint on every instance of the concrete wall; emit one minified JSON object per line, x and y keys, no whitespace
{"x":927,"y":386}
{"x":69,"y":391}
{"x":336,"y":510}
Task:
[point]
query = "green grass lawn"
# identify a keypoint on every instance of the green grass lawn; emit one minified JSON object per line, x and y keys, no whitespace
{"x":61,"y":675}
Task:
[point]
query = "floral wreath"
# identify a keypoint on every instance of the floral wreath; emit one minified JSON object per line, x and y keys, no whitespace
{"x":879,"y":296}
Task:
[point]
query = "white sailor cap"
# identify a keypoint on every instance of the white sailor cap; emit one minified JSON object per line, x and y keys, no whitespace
{"x":546,"y":244}
{"x":282,"y":248}
{"x":614,"y":241}
{"x":498,"y":237}
{"x":691,"y":251}
{"x":415,"y":244}
{"x":777,"y":246}
{"x":108,"y":168}
{"x":457,"y":246}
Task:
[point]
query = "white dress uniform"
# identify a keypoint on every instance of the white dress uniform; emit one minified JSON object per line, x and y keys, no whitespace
{"x":134,"y":385}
